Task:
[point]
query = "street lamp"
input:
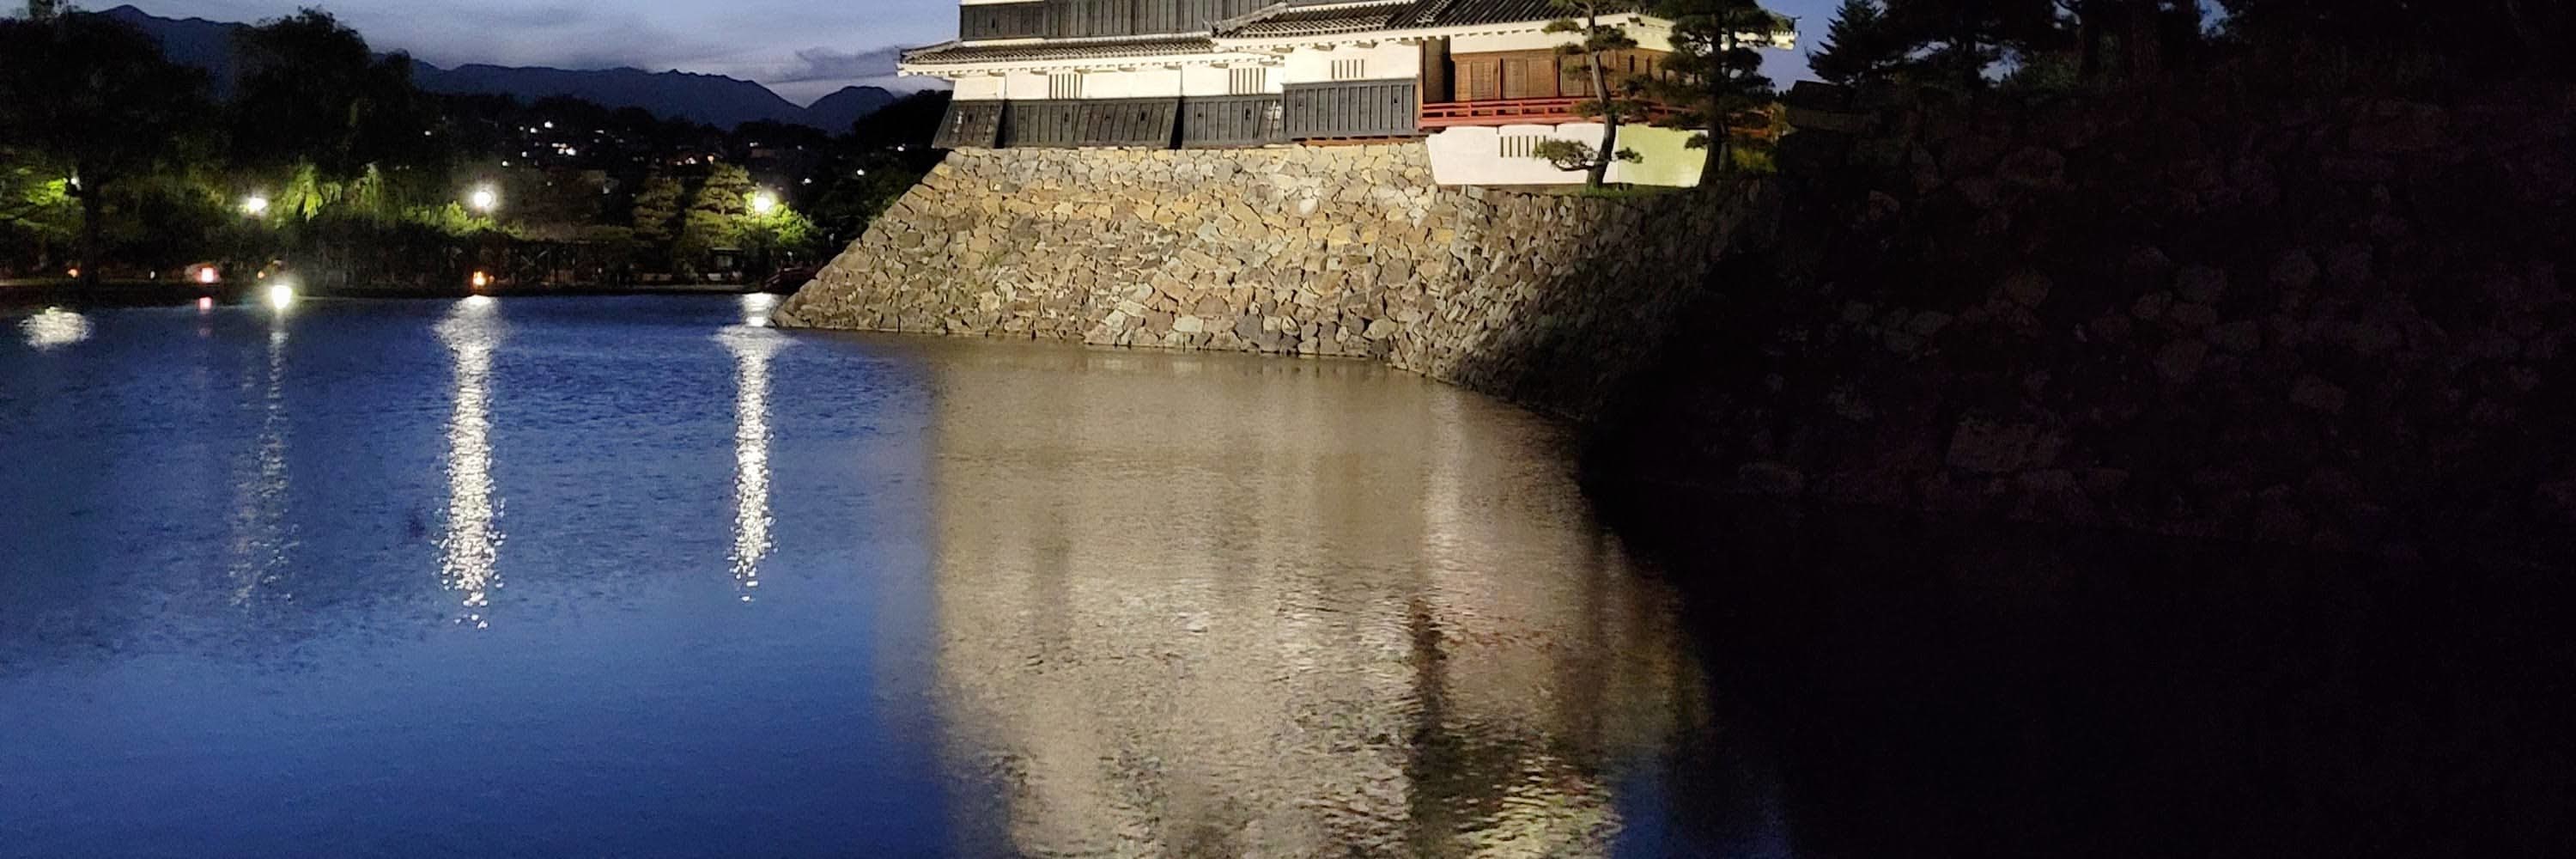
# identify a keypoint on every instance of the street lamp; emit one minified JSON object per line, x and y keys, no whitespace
{"x":763,"y":203}
{"x":484,"y":199}
{"x":254,"y":205}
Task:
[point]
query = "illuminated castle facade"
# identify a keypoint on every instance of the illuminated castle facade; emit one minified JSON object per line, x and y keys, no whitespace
{"x":1478,"y":82}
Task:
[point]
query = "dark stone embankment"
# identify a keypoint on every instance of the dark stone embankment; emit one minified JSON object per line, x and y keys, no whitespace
{"x":2341,"y":325}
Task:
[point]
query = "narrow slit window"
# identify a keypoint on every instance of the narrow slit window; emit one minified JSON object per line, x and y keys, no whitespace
{"x":1064,"y":86}
{"x":1251,"y":81}
{"x":1350,"y":70}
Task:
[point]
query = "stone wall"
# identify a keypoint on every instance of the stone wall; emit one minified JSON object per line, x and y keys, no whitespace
{"x":1546,"y":299}
{"x":2343,"y":324}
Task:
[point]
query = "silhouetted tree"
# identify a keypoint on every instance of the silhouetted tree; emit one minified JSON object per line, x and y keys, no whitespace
{"x":1858,"y":45}
{"x":312,"y":92}
{"x":85,"y":91}
{"x":1960,"y":39}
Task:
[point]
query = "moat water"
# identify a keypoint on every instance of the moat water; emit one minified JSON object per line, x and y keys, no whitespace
{"x":631,"y":577}
{"x":640,"y":577}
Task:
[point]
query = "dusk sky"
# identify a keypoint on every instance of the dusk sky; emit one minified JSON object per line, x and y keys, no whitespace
{"x":802,"y":48}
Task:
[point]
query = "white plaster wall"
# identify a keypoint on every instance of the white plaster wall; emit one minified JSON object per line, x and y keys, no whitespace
{"x":1197,"y":79}
{"x":1474,"y":156}
{"x":1024,"y":85}
{"x":1648,"y":37}
{"x":1141,"y":83}
{"x":979,"y":88}
{"x":1204,"y":80}
{"x":1386,"y":60}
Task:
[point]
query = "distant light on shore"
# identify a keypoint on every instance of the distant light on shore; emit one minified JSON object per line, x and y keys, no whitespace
{"x":208,"y":275}
{"x":281,"y":295}
{"x":205,"y":303}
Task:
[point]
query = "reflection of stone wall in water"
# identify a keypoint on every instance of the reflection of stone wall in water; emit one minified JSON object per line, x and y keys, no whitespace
{"x":1328,"y":618}
{"x":1336,"y":251}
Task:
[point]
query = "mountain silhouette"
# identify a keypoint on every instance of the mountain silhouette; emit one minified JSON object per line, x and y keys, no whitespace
{"x":716,"y":100}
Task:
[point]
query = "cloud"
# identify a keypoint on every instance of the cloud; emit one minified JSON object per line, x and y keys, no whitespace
{"x":825,"y":64}
{"x":741,"y":38}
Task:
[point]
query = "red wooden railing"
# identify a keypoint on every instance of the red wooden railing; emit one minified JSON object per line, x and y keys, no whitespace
{"x":1510,"y":111}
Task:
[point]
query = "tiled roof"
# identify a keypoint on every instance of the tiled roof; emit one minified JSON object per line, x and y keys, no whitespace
{"x":1287,"y":20}
{"x":1293,"y":21}
{"x":1465,"y":13}
{"x":953,"y":53}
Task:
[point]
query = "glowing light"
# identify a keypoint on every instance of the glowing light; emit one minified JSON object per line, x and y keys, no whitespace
{"x":484,"y":199}
{"x":54,"y":328}
{"x":756,"y":307}
{"x":550,"y":124}
{"x":71,"y":273}
{"x":205,"y":303}
{"x":763,"y":202}
{"x":208,"y":275}
{"x":255,"y":205}
{"x":480,"y":280}
{"x":281,"y":295}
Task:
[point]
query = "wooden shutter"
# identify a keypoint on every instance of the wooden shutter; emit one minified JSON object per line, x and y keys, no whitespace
{"x":1574,"y":78}
{"x":1480,"y":80}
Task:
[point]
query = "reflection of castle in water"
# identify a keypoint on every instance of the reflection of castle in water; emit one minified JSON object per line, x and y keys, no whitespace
{"x":1299,"y":618}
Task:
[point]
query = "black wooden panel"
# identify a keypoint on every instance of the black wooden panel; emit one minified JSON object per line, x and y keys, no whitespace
{"x":970,"y":125}
{"x":1002,"y":21}
{"x":1144,"y":122}
{"x":1386,"y":108}
{"x":1243,"y":120}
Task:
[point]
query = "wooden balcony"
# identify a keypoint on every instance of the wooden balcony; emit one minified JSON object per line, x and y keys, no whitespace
{"x":1511,"y":111}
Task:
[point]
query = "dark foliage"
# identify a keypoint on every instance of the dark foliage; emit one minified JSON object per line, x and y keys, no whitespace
{"x":2141,"y":42}
{"x":1857,"y":45}
{"x":312,"y":92}
{"x":86,"y":92}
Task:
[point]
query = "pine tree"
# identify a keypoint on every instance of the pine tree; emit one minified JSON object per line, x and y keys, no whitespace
{"x":1857,"y":46}
{"x":1616,"y":98}
{"x":657,"y":210}
{"x":1714,"y":74}
{"x":1962,"y":38}
{"x":716,"y":213}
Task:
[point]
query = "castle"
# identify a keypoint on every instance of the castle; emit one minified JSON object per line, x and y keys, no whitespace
{"x":1480,"y":83}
